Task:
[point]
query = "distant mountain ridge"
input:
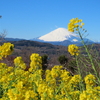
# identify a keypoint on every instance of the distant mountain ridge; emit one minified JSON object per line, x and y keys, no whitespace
{"x":60,"y":36}
{"x":13,"y":39}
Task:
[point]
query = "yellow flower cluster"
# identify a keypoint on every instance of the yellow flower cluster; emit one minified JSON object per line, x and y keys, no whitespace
{"x":36,"y":62}
{"x":19,"y":63}
{"x":74,"y":24}
{"x":6,"y":49}
{"x":90,"y":80}
{"x":90,"y":94}
{"x":57,"y":84}
{"x":73,"y":49}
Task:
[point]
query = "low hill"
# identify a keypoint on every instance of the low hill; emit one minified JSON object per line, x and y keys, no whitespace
{"x":25,"y":48}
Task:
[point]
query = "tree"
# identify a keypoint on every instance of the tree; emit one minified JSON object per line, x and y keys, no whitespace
{"x":72,"y":66}
{"x":2,"y":36}
{"x":62,"y":59}
{"x":44,"y":62}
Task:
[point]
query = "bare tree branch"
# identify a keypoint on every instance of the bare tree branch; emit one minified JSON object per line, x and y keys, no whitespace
{"x":3,"y":35}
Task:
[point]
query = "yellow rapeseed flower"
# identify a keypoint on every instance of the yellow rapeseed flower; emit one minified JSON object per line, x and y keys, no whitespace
{"x":19,"y":62}
{"x":90,"y":80}
{"x":73,"y":49}
{"x":6,"y":49}
{"x":36,"y":62}
{"x":74,"y":24}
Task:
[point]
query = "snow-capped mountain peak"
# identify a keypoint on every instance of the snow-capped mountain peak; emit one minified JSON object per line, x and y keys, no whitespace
{"x":62,"y":36}
{"x":59,"y":34}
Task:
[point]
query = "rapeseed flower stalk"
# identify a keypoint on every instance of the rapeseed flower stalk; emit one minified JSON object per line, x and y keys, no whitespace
{"x":76,"y":26}
{"x":36,"y":62}
{"x":74,"y":50}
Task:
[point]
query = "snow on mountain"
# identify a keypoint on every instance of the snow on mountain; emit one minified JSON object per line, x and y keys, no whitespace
{"x":75,"y":40}
{"x":59,"y":34}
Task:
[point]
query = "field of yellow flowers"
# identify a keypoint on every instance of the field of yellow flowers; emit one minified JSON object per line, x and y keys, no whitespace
{"x":56,"y":84}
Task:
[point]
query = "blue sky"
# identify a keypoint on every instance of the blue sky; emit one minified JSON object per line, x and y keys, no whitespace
{"x":33,"y":18}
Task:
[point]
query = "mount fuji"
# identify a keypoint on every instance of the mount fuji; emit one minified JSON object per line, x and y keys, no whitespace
{"x":62,"y":36}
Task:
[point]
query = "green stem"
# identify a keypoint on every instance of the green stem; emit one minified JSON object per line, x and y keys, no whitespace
{"x":90,"y":57}
{"x":81,"y":86}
